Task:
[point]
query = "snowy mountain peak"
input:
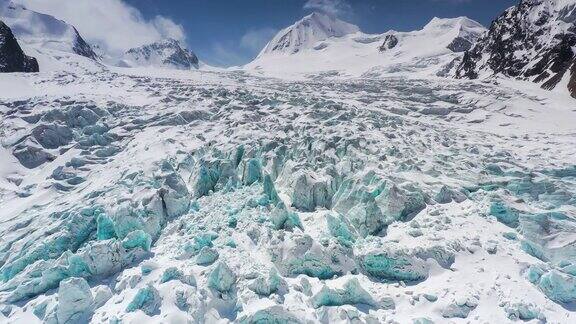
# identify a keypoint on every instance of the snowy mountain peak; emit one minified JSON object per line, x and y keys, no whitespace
{"x":43,"y":31}
{"x":306,"y":32}
{"x":164,"y":53}
{"x":462,"y":23}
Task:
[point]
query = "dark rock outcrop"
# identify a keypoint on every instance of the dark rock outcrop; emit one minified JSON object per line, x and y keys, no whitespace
{"x":390,"y":41}
{"x":81,"y":47}
{"x":12,"y":58}
{"x":460,"y":44}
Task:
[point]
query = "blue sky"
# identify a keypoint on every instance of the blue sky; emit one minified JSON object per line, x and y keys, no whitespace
{"x":231,"y":32}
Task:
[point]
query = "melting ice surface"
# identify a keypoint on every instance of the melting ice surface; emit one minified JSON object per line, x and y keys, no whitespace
{"x":221,"y":197}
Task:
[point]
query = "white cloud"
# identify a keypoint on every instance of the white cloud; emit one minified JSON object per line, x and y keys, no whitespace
{"x":256,"y":39}
{"x":332,"y":7}
{"x":112,"y":24}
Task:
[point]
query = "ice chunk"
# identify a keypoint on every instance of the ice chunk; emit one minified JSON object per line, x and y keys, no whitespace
{"x":533,"y":249}
{"x":200,"y":241}
{"x":504,"y":214}
{"x":147,"y":215}
{"x":204,"y":180}
{"x":274,"y":315}
{"x":222,"y":279}
{"x":524,"y":312}
{"x":147,"y":299}
{"x":351,"y":294}
{"x":393,"y":266}
{"x":268,"y":286}
{"x":310,"y":191}
{"x":136,"y":239}
{"x":207,"y":256}
{"x":312,"y":266}
{"x":99,"y":258}
{"x":104,"y":228}
{"x":282,"y":218}
{"x":372,"y":210}
{"x":174,"y":192}
{"x":270,"y":190}
{"x":339,"y":228}
{"x":447,"y":195}
{"x":558,"y":286}
{"x":252,"y":172}
{"x":75,"y":301}
{"x":76,"y":230}
{"x":101,"y":296}
{"x":170,"y":274}
{"x":460,"y":308}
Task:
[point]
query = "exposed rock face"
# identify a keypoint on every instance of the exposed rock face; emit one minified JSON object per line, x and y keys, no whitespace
{"x":81,"y":47}
{"x":389,"y":42}
{"x":166,"y":53}
{"x":460,"y":44}
{"x":12,"y":58}
{"x":531,"y":41}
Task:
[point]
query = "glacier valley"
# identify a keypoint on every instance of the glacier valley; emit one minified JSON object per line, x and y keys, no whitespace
{"x":170,"y":196}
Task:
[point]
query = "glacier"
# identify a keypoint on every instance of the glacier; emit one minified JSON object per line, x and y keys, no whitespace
{"x":229,"y":196}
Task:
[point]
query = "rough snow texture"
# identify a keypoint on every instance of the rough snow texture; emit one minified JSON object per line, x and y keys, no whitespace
{"x":534,"y":40}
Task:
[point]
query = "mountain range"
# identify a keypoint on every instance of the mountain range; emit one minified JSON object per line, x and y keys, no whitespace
{"x":533,"y":41}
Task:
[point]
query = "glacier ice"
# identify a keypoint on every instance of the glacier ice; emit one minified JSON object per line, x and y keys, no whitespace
{"x":504,"y":214}
{"x":282,"y":218}
{"x":524,"y":312}
{"x":207,"y":256}
{"x":102,"y":294}
{"x":558,"y":286}
{"x":339,"y":228}
{"x":460,"y":308}
{"x":273,"y":284}
{"x":75,"y":301}
{"x":351,"y":294}
{"x":252,"y":172}
{"x":221,"y":278}
{"x":273,"y":314}
{"x":393,"y":267}
{"x":147,"y":299}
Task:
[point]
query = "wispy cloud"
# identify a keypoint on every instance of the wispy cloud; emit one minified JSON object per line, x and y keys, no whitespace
{"x":331,"y":7}
{"x":112,"y":24}
{"x":255,"y":39}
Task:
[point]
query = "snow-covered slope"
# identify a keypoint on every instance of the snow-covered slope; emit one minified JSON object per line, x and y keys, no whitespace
{"x":535,"y":40}
{"x":305,"y":33}
{"x":349,"y":51}
{"x":167,"y":53}
{"x":43,"y":31}
{"x":12,"y":58}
